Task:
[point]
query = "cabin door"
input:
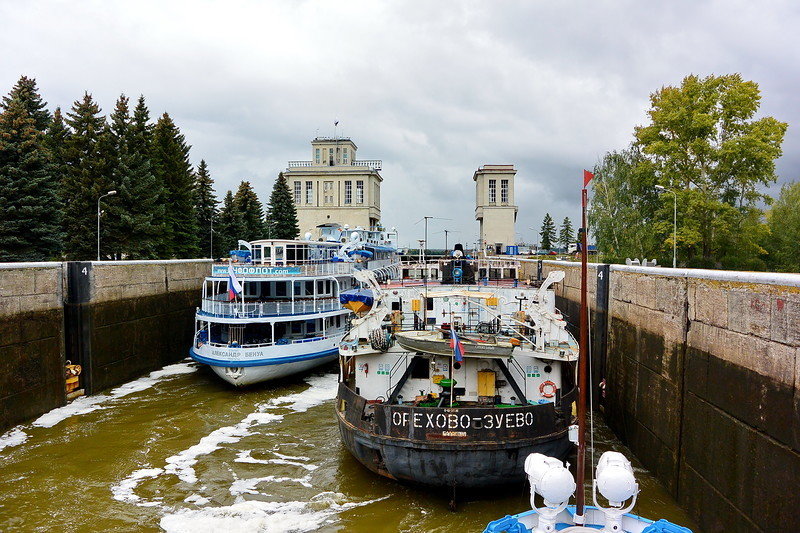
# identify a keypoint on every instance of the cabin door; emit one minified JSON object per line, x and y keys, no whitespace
{"x":486,"y":381}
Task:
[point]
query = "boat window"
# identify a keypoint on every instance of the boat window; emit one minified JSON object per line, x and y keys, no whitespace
{"x":257,"y":253}
{"x":429,"y":304}
{"x":279,"y":253}
{"x":296,"y":327}
{"x":396,"y":305}
{"x":281,"y":288}
{"x":298,"y":289}
{"x":320,"y":287}
{"x":251,"y":289}
{"x":290,"y":253}
{"x":422,"y":369}
{"x":309,"y":288}
{"x":267,"y":253}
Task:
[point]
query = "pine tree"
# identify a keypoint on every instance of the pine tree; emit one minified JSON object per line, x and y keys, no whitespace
{"x":27,"y":93}
{"x":230,"y":226}
{"x":171,"y":165}
{"x":28,"y":214}
{"x":144,"y":192}
{"x":548,"y":232}
{"x":85,"y":180}
{"x":251,"y":210}
{"x":205,"y":206}
{"x":567,"y":235}
{"x":282,"y":214}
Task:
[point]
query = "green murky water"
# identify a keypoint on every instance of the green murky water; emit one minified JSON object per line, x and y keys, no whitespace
{"x":181,"y":451}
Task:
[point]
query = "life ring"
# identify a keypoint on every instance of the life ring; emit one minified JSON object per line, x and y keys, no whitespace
{"x":548,"y":389}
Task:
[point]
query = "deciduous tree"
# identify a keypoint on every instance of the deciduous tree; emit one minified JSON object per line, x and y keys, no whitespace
{"x":783,"y":242}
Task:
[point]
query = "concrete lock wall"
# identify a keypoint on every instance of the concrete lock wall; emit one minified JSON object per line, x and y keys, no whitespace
{"x":118,"y":320}
{"x":31,"y":340}
{"x":703,"y":383}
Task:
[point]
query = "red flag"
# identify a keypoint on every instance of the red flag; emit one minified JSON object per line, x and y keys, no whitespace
{"x":587,"y":177}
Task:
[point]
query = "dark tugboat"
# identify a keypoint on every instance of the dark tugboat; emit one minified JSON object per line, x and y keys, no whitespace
{"x":454,"y":385}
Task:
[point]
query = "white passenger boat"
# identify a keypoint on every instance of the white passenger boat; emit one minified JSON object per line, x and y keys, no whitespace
{"x":273,"y":310}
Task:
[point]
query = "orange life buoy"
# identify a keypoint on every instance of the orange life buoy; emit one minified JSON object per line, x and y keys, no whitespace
{"x":548,"y":389}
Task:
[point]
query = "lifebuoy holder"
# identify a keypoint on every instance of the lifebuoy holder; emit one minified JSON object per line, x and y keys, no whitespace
{"x":548,"y":389}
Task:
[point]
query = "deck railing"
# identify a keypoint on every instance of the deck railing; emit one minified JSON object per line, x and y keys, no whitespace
{"x":257,"y":270}
{"x":218,"y":308}
{"x":374,"y":164}
{"x":279,"y":342}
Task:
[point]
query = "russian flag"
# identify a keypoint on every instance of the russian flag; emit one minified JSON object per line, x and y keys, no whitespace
{"x":234,"y":287}
{"x":455,"y":344}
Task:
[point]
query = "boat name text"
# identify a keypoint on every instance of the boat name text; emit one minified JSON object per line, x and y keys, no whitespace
{"x":462,"y":421}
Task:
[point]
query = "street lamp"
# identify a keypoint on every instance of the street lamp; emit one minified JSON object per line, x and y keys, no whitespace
{"x":661,"y":188}
{"x":109,"y":193}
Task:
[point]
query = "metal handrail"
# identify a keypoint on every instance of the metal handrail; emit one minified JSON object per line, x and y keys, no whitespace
{"x":212,"y":307}
{"x":262,"y":345}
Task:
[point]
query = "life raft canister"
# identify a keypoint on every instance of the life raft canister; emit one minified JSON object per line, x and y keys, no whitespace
{"x":548,"y":389}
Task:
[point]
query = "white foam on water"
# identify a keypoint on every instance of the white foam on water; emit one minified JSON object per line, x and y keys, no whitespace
{"x":323,"y":388}
{"x":124,"y":490}
{"x":87,"y":404}
{"x":245,"y":457}
{"x":259,"y":516}
{"x":248,"y":486}
{"x":13,"y":437}
{"x":182,"y":464}
{"x":292,"y":457}
{"x":196,"y":499}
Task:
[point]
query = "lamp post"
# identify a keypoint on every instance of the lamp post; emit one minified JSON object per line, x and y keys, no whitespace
{"x":661,"y":188}
{"x":109,"y":193}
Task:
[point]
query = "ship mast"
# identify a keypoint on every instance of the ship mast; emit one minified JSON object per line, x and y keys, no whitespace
{"x":583,"y":388}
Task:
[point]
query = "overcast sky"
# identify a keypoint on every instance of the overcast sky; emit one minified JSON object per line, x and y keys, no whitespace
{"x":434,"y":89}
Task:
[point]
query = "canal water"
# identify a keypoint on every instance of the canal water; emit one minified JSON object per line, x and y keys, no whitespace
{"x":180,"y":451}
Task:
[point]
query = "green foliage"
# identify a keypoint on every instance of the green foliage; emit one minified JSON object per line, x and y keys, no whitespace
{"x":27,"y":93}
{"x":566,"y":234}
{"x":704,"y":144}
{"x":230,"y":226}
{"x":85,"y":179}
{"x":170,"y":156}
{"x":205,"y":206}
{"x":621,"y":210}
{"x":710,"y":157}
{"x":784,"y":227}
{"x":282,"y":214}
{"x":134,"y":217}
{"x":29,"y":225}
{"x":251,"y":210}
{"x":547,"y":233}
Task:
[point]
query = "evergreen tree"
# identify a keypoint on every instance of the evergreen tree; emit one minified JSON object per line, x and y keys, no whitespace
{"x":171,"y":165}
{"x":251,"y":210}
{"x":144,"y":192}
{"x":548,"y":232}
{"x":27,"y":93}
{"x":55,"y":141}
{"x":28,"y":201}
{"x":85,"y":180}
{"x":230,"y":226}
{"x":282,"y":214}
{"x":205,"y":206}
{"x":566,"y":235}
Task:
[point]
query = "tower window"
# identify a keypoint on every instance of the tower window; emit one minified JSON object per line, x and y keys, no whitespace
{"x":316,"y":156}
{"x":359,"y":192}
{"x":492,"y":191}
{"x":344,"y":155}
{"x":297,"y":192}
{"x":348,"y":192}
{"x":504,"y":191}
{"x":309,"y":192}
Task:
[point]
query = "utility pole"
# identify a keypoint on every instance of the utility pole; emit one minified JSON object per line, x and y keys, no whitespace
{"x":109,"y":193}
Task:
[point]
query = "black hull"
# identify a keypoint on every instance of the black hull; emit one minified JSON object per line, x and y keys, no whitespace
{"x":461,"y":452}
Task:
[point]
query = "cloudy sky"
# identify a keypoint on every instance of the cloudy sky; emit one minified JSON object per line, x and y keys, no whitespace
{"x":434,"y":89}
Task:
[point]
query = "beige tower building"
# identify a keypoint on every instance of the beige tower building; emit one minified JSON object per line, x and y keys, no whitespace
{"x":494,"y":206}
{"x":335,"y":187}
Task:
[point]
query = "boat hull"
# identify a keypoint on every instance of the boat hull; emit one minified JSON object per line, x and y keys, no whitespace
{"x":249,"y":371}
{"x":450,"y":447}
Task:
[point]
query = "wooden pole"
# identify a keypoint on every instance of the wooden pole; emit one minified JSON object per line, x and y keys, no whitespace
{"x":583,"y":388}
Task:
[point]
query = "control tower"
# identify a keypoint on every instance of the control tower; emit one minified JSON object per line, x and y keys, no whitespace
{"x":494,"y":206}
